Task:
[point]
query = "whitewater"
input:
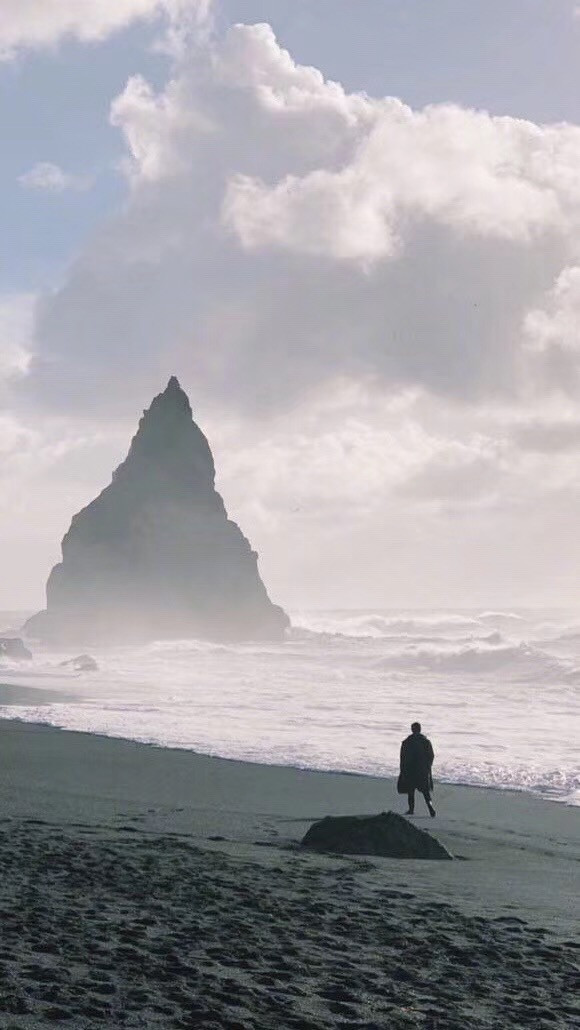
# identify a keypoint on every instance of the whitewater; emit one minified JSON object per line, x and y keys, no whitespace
{"x":498,"y":692}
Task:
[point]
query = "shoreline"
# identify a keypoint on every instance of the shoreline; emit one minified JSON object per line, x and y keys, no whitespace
{"x":40,"y":696}
{"x":148,"y":886}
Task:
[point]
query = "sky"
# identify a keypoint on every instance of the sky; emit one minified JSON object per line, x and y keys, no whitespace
{"x":352,"y":231}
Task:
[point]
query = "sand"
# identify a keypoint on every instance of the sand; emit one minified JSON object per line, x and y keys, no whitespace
{"x":147,"y":887}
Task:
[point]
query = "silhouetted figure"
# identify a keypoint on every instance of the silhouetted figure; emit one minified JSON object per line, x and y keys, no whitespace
{"x":416,"y":760}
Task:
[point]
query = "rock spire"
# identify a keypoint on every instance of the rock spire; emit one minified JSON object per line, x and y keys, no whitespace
{"x":155,"y":555}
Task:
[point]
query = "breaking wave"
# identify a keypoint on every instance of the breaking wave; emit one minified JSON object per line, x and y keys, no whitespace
{"x":377,"y":625}
{"x":479,"y":657}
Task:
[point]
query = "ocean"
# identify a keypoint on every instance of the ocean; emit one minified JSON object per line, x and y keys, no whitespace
{"x":498,"y":693}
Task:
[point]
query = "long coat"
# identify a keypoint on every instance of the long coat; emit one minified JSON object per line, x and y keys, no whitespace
{"x":416,"y":760}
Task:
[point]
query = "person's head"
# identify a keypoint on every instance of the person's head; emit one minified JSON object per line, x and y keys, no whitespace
{"x":416,"y":727}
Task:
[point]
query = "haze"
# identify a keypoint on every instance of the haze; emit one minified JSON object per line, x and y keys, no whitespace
{"x":352,"y":231}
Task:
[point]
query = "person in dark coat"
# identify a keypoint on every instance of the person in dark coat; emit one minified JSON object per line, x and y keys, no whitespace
{"x":416,"y":760}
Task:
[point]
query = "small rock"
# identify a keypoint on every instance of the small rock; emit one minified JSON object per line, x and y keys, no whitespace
{"x":13,"y":647}
{"x":82,"y":663}
{"x":387,"y":834}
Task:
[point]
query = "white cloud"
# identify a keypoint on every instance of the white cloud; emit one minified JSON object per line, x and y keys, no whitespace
{"x":557,"y":323}
{"x":33,"y":24}
{"x":360,"y":498}
{"x":498,"y":178}
{"x":156,"y":129}
{"x":276,"y":222}
{"x":552,"y":336}
{"x":16,"y":332}
{"x":50,"y":178}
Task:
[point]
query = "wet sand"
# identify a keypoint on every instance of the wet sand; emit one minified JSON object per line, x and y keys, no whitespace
{"x":144,"y":887}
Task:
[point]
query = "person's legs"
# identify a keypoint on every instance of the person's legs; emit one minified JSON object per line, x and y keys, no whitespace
{"x":426,"y":794}
{"x":411,"y":800}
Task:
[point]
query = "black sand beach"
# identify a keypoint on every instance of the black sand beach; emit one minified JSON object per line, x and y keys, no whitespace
{"x":144,"y":887}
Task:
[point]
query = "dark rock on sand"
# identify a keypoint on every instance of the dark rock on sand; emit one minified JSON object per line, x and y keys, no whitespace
{"x":13,"y":647}
{"x":387,"y":834}
{"x":155,"y":555}
{"x":82,"y":663}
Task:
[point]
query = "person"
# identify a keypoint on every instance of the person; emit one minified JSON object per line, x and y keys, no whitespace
{"x":416,"y":760}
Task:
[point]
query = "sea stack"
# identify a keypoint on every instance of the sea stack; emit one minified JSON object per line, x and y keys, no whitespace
{"x":154,"y":555}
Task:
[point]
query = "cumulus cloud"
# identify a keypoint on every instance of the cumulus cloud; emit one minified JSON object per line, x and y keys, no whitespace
{"x":33,"y":24}
{"x":496,"y":178}
{"x":48,"y":177}
{"x":552,"y":335}
{"x":281,"y":231}
{"x":16,"y":331}
{"x":557,"y":323}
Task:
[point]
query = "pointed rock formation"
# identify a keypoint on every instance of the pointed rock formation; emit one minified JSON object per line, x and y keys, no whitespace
{"x":155,"y":555}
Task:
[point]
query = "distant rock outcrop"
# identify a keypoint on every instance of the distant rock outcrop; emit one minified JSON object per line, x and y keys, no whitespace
{"x":387,"y":834}
{"x":155,"y":555}
{"x":13,"y":647}
{"x":82,"y":663}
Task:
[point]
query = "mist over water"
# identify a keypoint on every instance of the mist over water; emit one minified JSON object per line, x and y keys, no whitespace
{"x":498,"y":692}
